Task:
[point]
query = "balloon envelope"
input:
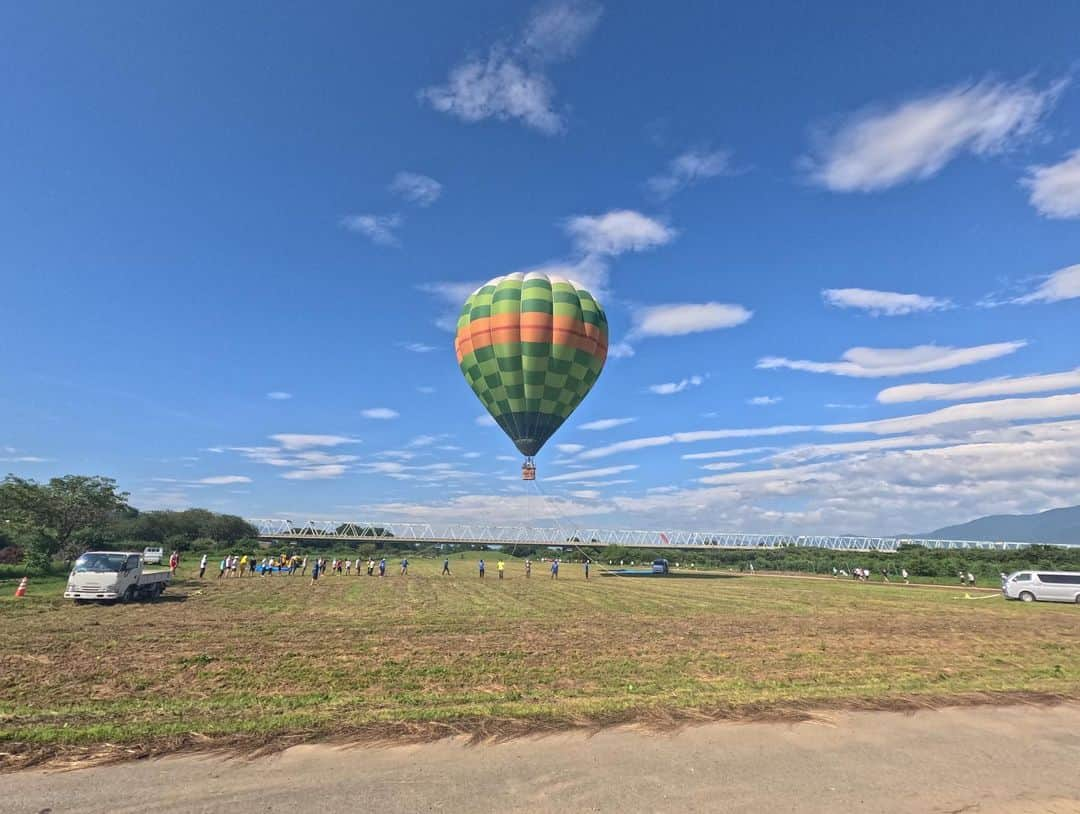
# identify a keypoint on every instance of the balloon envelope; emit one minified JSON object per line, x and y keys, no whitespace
{"x":531,"y":347}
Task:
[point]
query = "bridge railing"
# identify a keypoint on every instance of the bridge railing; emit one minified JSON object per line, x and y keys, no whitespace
{"x":494,"y":534}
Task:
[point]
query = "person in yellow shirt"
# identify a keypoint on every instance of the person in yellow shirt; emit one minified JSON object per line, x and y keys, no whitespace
{"x":501,"y":567}
{"x":243,"y":565}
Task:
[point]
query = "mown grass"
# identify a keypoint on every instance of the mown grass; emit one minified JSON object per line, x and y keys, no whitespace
{"x":273,"y":660}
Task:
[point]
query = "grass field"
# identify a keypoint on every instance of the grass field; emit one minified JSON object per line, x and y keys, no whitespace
{"x":270,"y":661}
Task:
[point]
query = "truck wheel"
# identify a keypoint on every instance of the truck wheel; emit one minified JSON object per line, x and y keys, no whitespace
{"x":82,"y":601}
{"x":159,"y":589}
{"x":129,"y":594}
{"x":1027,"y":596}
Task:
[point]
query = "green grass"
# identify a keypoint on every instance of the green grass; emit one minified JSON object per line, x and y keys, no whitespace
{"x":275,"y":658}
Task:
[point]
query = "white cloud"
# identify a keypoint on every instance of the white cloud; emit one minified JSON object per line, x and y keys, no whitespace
{"x":869,"y":363}
{"x":380,"y":413}
{"x":278,"y":395}
{"x":832,"y":405}
{"x":1001,"y":386}
{"x":980,"y":413}
{"x":882,"y":303}
{"x":415,"y":188}
{"x":294,"y":441}
{"x":586,"y":494}
{"x":877,"y":149}
{"x":1055,"y":188}
{"x":486,"y":421}
{"x":569,"y":449}
{"x":670,"y":388}
{"x":617,"y":231}
{"x":25,"y":459}
{"x":725,"y":453}
{"x":324,"y":472}
{"x":590,"y":270}
{"x":586,"y":474}
{"x":764,"y":401}
{"x":1063,"y":284}
{"x":379,"y":228}
{"x":223,"y":480}
{"x":620,"y":350}
{"x":511,"y":82}
{"x":606,"y":423}
{"x":679,"y":319}
{"x":426,"y":390}
{"x":418,"y":347}
{"x":689,"y":168}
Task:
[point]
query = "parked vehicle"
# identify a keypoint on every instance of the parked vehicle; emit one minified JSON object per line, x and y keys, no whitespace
{"x":660,"y":566}
{"x":153,"y":555}
{"x":111,"y":575}
{"x":1048,"y":586}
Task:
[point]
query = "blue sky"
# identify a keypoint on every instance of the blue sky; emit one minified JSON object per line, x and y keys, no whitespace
{"x":838,"y":250}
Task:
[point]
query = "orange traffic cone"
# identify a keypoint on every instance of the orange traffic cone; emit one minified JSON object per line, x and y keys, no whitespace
{"x":21,"y":590}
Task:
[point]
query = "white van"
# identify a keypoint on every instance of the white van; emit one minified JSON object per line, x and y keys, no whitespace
{"x":1049,"y":586}
{"x":153,"y":555}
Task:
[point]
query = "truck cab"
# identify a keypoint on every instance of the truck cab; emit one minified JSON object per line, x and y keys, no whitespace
{"x":111,"y":575}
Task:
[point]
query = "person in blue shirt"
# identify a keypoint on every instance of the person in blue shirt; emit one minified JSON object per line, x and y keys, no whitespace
{"x":382,"y":567}
{"x":315,"y":573}
{"x":446,"y":567}
{"x":481,"y":569}
{"x":554,"y":569}
{"x":404,"y":567}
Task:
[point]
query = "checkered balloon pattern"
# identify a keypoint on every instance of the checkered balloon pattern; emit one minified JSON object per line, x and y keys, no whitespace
{"x":531,"y":347}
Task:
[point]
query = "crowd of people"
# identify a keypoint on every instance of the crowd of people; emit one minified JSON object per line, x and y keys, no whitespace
{"x":233,"y":566}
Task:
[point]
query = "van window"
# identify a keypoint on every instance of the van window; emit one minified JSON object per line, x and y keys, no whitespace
{"x":1022,"y":578}
{"x":1060,"y":579}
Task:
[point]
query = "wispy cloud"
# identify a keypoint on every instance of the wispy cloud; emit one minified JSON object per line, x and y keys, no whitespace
{"x":415,"y":188}
{"x":1001,"y":386}
{"x":453,"y":295}
{"x":1063,"y":284}
{"x":679,"y":319}
{"x":486,"y":421}
{"x":882,"y":303}
{"x":569,"y":449}
{"x":295,"y":441}
{"x":606,"y":423}
{"x":688,"y":168}
{"x":223,"y":480}
{"x":419,"y":347}
{"x":278,"y":395}
{"x":380,"y":229}
{"x":620,"y":350}
{"x":324,"y":472}
{"x":379,"y":413}
{"x":670,"y":388}
{"x":511,"y":81}
{"x":869,"y":363}
{"x":586,"y":474}
{"x":725,"y":453}
{"x":764,"y":401}
{"x":879,"y":148}
{"x":981,"y":413}
{"x":617,"y":232}
{"x":1055,"y":188}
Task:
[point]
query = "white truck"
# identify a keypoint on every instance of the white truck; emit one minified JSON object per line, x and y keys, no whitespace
{"x":108,"y":576}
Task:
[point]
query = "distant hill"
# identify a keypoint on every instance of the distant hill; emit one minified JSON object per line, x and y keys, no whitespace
{"x":1054,"y":526}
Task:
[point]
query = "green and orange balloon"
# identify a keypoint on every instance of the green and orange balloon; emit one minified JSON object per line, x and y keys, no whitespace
{"x":531,"y":346}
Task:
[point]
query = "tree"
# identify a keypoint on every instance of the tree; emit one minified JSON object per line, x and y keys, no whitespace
{"x":53,"y":518}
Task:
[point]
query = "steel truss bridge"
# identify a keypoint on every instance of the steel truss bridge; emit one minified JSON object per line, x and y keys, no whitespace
{"x":488,"y":534}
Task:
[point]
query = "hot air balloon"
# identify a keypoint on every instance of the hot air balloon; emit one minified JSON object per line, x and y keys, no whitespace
{"x":531,"y":347}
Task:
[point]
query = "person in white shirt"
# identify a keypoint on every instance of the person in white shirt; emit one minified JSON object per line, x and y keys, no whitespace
{"x":202,"y":566}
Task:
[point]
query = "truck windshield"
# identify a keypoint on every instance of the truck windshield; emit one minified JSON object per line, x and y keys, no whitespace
{"x":100,"y":563}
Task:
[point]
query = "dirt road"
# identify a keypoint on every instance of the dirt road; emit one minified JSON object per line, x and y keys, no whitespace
{"x":985,"y":760}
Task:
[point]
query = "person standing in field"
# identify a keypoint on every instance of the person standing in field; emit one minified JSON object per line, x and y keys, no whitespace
{"x":971,"y":578}
{"x":202,"y":566}
{"x":404,"y":566}
{"x":348,"y":567}
{"x":586,"y":569}
{"x":528,"y":568}
{"x":555,"y":568}
{"x":500,"y":567}
{"x":751,"y":568}
{"x":446,"y":567}
{"x":174,"y":560}
{"x":382,"y":567}
{"x":303,"y":567}
{"x":481,"y":569}
{"x":371,"y":568}
{"x":904,"y":574}
{"x":315,"y":572}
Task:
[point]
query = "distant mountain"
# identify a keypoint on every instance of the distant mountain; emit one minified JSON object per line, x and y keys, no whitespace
{"x":1054,"y":526}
